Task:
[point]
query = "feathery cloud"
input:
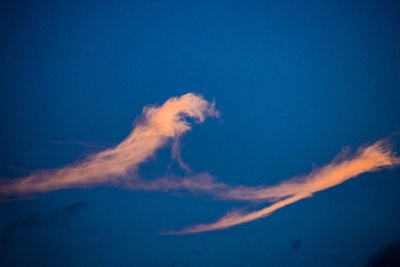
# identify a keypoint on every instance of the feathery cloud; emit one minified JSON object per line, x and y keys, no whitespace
{"x":367,"y":159}
{"x":117,"y":166}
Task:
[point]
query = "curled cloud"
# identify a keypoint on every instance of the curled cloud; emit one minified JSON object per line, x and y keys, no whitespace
{"x":366,"y":159}
{"x":117,"y":166}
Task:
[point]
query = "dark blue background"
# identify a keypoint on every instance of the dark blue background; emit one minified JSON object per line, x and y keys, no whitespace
{"x":295,"y":82}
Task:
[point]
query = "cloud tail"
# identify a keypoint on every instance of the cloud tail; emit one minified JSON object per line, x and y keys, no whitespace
{"x":367,"y":159}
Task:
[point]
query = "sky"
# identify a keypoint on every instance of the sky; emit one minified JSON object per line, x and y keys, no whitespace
{"x":199,"y":133}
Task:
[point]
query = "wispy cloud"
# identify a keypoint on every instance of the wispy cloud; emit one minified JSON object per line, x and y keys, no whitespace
{"x":78,"y":143}
{"x":367,"y":159}
{"x":345,"y":166}
{"x":116,"y":165}
{"x":36,"y":220}
{"x":158,"y":126}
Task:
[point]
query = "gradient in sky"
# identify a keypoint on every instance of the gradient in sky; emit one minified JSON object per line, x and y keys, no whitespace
{"x":294,"y":83}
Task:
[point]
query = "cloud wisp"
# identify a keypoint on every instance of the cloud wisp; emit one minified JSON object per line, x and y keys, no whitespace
{"x":37,"y":220}
{"x":366,"y":159}
{"x":158,"y":126}
{"x":117,"y":165}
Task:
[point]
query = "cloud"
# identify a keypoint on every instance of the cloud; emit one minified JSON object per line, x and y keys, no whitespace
{"x":296,"y":244}
{"x":237,"y":217}
{"x":158,"y":126}
{"x":69,"y":211}
{"x":202,"y":182}
{"x":176,"y":154}
{"x":78,"y":143}
{"x":197,"y":252}
{"x":36,"y":219}
{"x":366,"y":159}
{"x":183,"y":262}
{"x":117,"y":165}
{"x":344,"y":167}
{"x":31,"y":220}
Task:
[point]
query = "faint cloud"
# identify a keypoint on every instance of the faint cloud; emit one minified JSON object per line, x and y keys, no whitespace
{"x":296,"y":244}
{"x":197,"y":252}
{"x":38,"y":220}
{"x":78,"y":143}
{"x":182,"y":263}
{"x":165,"y":125}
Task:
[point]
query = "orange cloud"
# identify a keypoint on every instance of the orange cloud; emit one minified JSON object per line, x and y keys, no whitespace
{"x":238,"y":217}
{"x":366,"y":159}
{"x":116,"y":165}
{"x":160,"y":124}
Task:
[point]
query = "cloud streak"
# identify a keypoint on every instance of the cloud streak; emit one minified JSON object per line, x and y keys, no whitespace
{"x":366,"y":159}
{"x":117,"y":165}
{"x":158,"y":126}
{"x":36,"y":220}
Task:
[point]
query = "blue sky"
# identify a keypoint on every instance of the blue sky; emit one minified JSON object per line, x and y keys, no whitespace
{"x":294,"y":82}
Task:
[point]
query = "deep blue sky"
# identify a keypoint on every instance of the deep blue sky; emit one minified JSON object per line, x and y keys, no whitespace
{"x":295,"y":82}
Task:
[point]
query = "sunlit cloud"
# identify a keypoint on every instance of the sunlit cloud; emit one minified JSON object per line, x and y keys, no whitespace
{"x":367,"y":159}
{"x":202,"y":182}
{"x":166,"y":124}
{"x":118,"y":164}
{"x":176,"y":154}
